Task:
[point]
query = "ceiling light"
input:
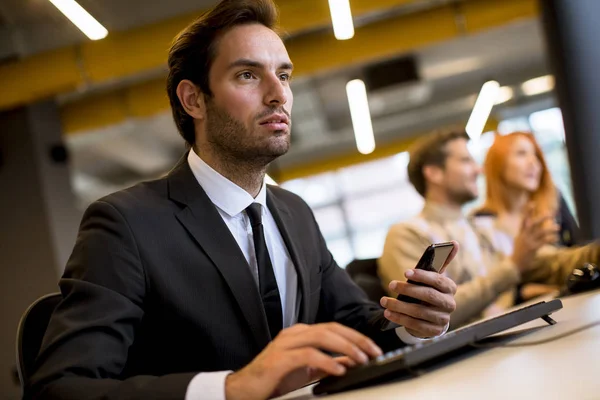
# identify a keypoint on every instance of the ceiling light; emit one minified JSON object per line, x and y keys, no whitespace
{"x":482,"y":109}
{"x":81,"y":18}
{"x":361,"y":116}
{"x":539,"y":85}
{"x":341,"y":18}
{"x":450,"y":68}
{"x":505,"y":93}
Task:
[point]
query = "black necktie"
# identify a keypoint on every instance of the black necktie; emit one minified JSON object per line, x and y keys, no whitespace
{"x":269,"y":292}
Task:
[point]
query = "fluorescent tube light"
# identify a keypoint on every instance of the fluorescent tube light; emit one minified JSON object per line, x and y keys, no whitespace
{"x":81,"y":18}
{"x":539,"y":85}
{"x":505,"y":93}
{"x":361,"y":116}
{"x":341,"y":18}
{"x":482,"y":109}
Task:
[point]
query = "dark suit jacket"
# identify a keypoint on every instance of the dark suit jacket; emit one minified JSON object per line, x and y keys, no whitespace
{"x":157,"y":290}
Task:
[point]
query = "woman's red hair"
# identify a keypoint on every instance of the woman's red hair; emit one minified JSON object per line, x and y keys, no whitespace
{"x":544,"y":199}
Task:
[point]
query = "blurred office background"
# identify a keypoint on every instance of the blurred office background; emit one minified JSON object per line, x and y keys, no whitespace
{"x":82,"y":118}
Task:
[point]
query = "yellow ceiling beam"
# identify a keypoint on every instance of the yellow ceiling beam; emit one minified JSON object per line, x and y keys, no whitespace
{"x":318,"y":52}
{"x":480,"y":16}
{"x":137,"y":101}
{"x":301,"y":15}
{"x":38,"y":77}
{"x":124,"y":54}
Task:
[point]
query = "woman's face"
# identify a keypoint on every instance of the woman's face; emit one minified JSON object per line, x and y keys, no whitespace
{"x":523,"y":168}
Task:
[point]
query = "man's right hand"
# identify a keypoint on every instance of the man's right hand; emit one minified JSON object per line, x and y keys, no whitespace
{"x":535,"y":232}
{"x":294,"y":358}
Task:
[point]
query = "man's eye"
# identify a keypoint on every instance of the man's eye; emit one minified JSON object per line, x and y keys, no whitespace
{"x":285,"y":77}
{"x":246,"y":75}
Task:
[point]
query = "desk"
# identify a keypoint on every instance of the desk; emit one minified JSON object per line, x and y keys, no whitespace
{"x":568,"y":368}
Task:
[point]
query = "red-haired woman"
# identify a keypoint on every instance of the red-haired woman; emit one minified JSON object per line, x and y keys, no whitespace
{"x":519,"y":184}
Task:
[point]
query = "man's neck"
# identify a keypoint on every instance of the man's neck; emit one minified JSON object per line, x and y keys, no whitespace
{"x":443,"y":200}
{"x":246,"y":175}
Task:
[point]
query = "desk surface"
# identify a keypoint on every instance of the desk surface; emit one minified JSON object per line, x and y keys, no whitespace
{"x":567,"y":368}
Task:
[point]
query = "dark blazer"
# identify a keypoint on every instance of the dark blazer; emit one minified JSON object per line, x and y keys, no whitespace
{"x":157,"y":290}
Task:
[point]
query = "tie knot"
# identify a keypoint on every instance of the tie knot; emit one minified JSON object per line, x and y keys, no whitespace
{"x":254,"y":213}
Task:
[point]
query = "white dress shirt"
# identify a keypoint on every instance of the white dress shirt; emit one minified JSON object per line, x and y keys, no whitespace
{"x":231,"y":201}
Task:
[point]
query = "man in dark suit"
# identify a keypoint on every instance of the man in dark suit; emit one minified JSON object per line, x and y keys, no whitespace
{"x":176,"y":283}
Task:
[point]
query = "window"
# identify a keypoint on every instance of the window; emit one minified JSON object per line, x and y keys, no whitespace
{"x":355,"y":206}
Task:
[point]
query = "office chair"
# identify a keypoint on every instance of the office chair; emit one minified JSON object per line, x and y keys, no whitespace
{"x":364,"y":274}
{"x":30,"y":333}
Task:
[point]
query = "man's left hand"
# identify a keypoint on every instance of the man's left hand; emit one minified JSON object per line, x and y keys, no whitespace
{"x":430,"y":318}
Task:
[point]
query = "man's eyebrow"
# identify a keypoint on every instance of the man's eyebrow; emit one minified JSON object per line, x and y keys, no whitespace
{"x":245,"y":62}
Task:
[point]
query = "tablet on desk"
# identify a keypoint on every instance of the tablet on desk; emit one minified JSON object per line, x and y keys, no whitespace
{"x":403,"y":359}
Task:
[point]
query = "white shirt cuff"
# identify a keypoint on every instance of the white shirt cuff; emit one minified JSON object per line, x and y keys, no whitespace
{"x":207,"y":386}
{"x":410,"y":339}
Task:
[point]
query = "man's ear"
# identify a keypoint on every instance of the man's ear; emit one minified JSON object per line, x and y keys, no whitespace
{"x":433,"y":174}
{"x":192,"y":99}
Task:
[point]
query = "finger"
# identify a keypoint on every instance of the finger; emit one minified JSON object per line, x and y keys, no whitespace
{"x":431,"y":296}
{"x":549,"y":228}
{"x":527,"y":216}
{"x":346,"y":361}
{"x":545,"y":236}
{"x":551,"y":238}
{"x":317,"y":374}
{"x":309,"y":357}
{"x":451,"y":256}
{"x":326,"y":339}
{"x":418,"y":311}
{"x":363,"y":342}
{"x":422,"y":329}
{"x":432,"y":279}
{"x":539,"y":222}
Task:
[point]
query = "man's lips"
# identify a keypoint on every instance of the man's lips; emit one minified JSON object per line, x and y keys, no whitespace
{"x":277,"y":122}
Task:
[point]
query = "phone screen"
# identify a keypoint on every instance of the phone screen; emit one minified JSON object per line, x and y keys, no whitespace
{"x":440,"y":255}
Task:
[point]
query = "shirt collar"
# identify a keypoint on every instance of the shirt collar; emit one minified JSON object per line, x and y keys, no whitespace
{"x":442,"y":213}
{"x":222,"y":192}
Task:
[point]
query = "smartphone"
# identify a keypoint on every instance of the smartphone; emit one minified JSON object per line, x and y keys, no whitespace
{"x":433,"y":259}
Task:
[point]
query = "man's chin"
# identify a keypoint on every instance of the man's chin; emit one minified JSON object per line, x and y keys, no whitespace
{"x":466,"y":197}
{"x":279,"y":145}
{"x":277,"y":151}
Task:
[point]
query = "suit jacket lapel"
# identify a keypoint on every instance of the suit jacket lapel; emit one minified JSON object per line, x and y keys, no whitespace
{"x":283,"y":219}
{"x":204,"y":223}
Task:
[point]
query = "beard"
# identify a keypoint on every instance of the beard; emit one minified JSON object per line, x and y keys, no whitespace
{"x":462,"y":196}
{"x":237,"y":143}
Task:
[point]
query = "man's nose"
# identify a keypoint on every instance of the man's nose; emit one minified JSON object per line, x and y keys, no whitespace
{"x":276,"y":93}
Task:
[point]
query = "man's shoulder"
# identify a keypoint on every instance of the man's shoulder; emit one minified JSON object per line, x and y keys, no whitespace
{"x":416,"y":224}
{"x":417,"y":229}
{"x":143,"y":196}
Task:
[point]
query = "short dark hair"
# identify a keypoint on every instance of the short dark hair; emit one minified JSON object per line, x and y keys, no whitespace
{"x":194,"y":49}
{"x":430,"y":150}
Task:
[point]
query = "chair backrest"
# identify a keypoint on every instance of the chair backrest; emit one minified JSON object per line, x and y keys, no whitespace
{"x":30,"y":333}
{"x":364,"y":274}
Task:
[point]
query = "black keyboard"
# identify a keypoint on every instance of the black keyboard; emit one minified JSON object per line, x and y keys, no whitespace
{"x":404,"y":358}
